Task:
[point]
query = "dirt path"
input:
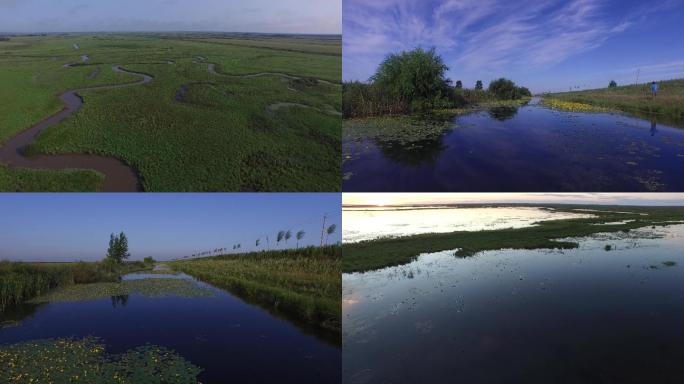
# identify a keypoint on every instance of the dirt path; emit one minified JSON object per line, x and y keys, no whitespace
{"x":119,"y":177}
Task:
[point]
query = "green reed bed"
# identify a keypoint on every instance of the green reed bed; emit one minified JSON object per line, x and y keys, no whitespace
{"x":304,"y":284}
{"x":20,"y":282}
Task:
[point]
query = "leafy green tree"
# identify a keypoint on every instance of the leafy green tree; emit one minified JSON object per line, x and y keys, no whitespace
{"x":288,"y":235}
{"x":459,"y":84}
{"x":416,"y":77}
{"x":612,"y":84}
{"x":149,"y":260}
{"x":504,"y":89}
{"x":258,"y":241}
{"x":300,"y":235}
{"x":478,"y":84}
{"x":118,"y":248}
{"x":524,"y":92}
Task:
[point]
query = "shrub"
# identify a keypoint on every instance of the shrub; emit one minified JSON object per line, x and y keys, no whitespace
{"x":85,"y":273}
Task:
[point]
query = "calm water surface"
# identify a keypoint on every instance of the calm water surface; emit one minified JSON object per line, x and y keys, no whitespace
{"x":518,"y":316}
{"x":367,"y":224}
{"x":525,"y":149}
{"x":230,"y":339}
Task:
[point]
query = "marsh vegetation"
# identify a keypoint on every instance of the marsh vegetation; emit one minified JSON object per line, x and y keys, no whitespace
{"x":303,"y":284}
{"x":221,"y":134}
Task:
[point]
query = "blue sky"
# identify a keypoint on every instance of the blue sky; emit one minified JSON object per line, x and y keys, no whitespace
{"x":67,"y":227}
{"x":269,"y":16}
{"x":545,"y":45}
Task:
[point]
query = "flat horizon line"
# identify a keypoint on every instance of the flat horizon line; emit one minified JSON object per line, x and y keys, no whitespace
{"x":504,"y":203}
{"x":169,"y":31}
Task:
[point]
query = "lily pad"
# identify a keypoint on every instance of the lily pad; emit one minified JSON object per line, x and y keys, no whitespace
{"x":86,"y":361}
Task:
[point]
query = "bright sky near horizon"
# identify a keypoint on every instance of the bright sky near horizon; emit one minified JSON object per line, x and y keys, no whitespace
{"x":265,"y":16}
{"x":662,"y":199}
{"x":545,"y":45}
{"x":69,"y":227}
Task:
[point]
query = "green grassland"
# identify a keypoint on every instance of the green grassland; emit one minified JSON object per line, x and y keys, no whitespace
{"x":668,"y":106}
{"x":380,"y":253}
{"x":31,"y":180}
{"x":302,"y":284}
{"x":220,"y":135}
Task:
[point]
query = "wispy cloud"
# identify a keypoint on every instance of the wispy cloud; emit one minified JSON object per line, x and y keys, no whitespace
{"x":485,"y":36}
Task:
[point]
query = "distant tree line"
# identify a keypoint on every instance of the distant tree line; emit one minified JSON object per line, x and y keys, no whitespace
{"x":2,"y":38}
{"x":415,"y":81}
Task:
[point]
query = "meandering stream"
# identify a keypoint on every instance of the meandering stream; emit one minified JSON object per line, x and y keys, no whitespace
{"x":119,"y":177}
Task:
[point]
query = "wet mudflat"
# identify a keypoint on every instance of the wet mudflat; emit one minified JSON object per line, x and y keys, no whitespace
{"x":530,"y":148}
{"x":607,"y":312}
{"x":227,"y":338}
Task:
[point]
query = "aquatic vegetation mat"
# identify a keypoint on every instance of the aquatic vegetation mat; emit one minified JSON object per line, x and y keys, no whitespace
{"x":146,"y":287}
{"x":571,"y":106}
{"x":86,"y":361}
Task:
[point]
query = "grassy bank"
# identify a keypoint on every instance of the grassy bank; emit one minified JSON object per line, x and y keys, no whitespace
{"x":303,"y":284}
{"x":20,"y":282}
{"x":376,"y":254}
{"x":634,"y":99}
{"x":32,"y":180}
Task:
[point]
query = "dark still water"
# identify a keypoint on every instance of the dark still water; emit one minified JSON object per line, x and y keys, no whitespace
{"x":519,"y":316}
{"x":523,"y":149}
{"x":230,"y":339}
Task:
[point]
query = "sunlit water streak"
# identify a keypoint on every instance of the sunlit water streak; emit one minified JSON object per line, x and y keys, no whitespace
{"x":359,"y":225}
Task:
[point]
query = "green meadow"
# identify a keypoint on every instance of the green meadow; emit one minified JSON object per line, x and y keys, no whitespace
{"x":266,"y":118}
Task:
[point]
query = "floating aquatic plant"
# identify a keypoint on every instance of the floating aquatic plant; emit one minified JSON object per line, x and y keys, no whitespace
{"x":85,"y":360}
{"x":144,"y":287}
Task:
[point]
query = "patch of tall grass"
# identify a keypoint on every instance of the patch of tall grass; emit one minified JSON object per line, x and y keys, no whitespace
{"x":304,"y":283}
{"x":20,"y":282}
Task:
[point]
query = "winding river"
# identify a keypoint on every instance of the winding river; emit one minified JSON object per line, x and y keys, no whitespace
{"x":119,"y":177}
